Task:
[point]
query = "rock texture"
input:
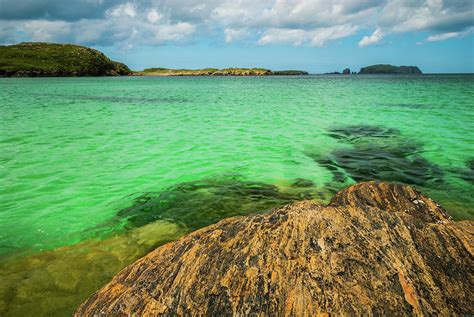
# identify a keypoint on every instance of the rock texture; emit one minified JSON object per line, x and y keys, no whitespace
{"x":376,"y":249}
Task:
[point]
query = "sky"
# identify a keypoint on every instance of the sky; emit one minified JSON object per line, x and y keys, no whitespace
{"x":313,"y":35}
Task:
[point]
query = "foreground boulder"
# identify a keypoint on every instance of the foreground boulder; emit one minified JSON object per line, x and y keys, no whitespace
{"x":376,"y":249}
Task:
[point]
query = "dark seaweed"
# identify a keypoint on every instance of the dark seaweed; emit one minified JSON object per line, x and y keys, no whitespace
{"x":379,"y":154}
{"x":200,"y":203}
{"x":302,"y":182}
{"x":354,"y":133}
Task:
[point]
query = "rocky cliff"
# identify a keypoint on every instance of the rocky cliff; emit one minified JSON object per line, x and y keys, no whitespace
{"x":50,"y":59}
{"x":376,"y":249}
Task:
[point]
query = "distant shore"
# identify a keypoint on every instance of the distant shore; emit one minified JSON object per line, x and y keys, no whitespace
{"x":217,"y":72}
{"x":36,"y":59}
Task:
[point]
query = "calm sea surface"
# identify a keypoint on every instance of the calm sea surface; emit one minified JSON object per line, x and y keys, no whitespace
{"x":95,"y":172}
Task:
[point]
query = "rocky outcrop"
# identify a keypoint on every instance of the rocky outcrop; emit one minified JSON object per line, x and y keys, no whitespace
{"x":376,"y":249}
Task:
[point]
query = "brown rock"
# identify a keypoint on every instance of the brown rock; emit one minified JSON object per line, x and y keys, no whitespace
{"x":376,"y":249}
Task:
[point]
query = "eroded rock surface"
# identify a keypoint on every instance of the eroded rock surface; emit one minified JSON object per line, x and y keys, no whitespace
{"x":376,"y":249}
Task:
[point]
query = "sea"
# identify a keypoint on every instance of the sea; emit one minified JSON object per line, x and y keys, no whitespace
{"x":96,"y":172}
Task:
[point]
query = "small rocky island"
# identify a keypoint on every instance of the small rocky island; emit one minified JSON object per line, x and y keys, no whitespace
{"x":390,"y":69}
{"x":56,"y":60}
{"x":376,"y":249}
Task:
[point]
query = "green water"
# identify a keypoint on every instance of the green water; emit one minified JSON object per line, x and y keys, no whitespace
{"x":79,"y":157}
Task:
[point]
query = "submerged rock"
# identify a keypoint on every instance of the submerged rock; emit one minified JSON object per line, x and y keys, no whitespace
{"x":201,"y":203}
{"x":468,"y":173}
{"x":376,"y":249}
{"x":378,"y":153}
{"x":302,"y":182}
{"x":353,"y":133}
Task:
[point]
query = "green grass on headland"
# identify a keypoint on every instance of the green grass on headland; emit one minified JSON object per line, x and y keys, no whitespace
{"x":49,"y":59}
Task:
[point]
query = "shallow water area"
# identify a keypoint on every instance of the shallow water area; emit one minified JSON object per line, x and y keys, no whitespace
{"x":95,"y":172}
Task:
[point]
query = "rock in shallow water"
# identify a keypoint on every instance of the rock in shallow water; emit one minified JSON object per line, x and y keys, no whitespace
{"x":200,"y":203}
{"x":378,"y":153}
{"x":376,"y":249}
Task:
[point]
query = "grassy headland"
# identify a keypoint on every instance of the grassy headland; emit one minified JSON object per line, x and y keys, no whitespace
{"x":49,"y":59}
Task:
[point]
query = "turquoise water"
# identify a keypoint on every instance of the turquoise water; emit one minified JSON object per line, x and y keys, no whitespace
{"x":80,"y":156}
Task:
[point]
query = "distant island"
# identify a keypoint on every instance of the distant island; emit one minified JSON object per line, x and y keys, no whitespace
{"x":50,"y":59}
{"x":218,"y":72}
{"x":205,"y":72}
{"x":389,"y":69}
{"x":381,"y":69}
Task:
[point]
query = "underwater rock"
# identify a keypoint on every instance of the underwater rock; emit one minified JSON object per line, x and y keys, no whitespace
{"x":355,"y":132}
{"x":200,"y":203}
{"x":468,"y":173}
{"x":302,"y":182}
{"x":376,"y":249}
{"x":378,"y":154}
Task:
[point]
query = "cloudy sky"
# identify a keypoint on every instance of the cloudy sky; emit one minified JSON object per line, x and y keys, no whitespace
{"x":314,"y":35}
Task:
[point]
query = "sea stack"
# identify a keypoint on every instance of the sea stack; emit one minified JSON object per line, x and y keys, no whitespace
{"x":377,"y":249}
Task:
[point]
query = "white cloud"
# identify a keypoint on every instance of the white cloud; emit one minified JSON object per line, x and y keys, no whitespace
{"x":154,"y":16}
{"x":376,"y":37}
{"x":232,"y":35}
{"x":46,"y":31}
{"x":316,"y":37}
{"x":296,"y":22}
{"x":126,"y":9}
{"x":283,"y":36}
{"x":320,"y":37}
{"x":443,"y":36}
{"x":173,"y":32}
